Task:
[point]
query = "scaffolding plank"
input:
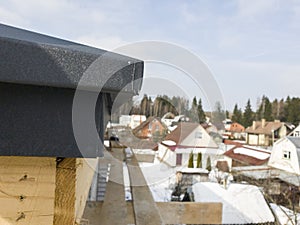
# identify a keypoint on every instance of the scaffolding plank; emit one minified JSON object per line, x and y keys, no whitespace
{"x":114,"y":208}
{"x":144,"y":206}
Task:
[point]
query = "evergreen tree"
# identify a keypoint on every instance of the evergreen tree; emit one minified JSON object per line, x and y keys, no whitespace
{"x":248,"y":115}
{"x":191,"y":160}
{"x":237,"y":115}
{"x":199,"y":160}
{"x":201,"y":114}
{"x":265,"y":109}
{"x":194,"y":111}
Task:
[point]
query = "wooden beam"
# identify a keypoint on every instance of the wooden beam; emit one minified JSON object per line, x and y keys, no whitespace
{"x":145,"y":209}
{"x":27,"y":188}
{"x":85,"y":170}
{"x":171,"y":212}
{"x":64,"y":205}
{"x":190,"y":212}
{"x":114,"y":210}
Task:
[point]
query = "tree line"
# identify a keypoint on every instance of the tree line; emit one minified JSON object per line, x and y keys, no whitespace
{"x":285,"y":110}
{"x":163,"y":104}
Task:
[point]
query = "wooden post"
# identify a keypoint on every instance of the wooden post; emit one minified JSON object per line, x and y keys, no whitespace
{"x":64,"y":205}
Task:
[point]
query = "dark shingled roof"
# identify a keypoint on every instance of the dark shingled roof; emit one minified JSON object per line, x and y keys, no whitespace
{"x":31,"y":58}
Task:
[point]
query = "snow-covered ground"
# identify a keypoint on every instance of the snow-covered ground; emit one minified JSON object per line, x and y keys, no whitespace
{"x":241,"y":203}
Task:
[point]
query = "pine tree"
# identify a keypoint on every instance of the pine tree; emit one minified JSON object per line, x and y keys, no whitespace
{"x":248,"y":115}
{"x":191,"y":160}
{"x":199,"y":160}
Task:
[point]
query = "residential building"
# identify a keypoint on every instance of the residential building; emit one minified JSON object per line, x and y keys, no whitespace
{"x":295,"y":132}
{"x":286,"y":155}
{"x":131,"y":121}
{"x":236,"y":131}
{"x":152,"y":129}
{"x":265,"y":133}
{"x":186,"y":138}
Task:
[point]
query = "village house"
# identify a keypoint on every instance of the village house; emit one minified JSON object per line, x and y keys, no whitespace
{"x":131,"y":121}
{"x":286,"y":155}
{"x":295,"y":132}
{"x":152,"y":129}
{"x":265,"y":133}
{"x":235,"y":131}
{"x":185,"y":139}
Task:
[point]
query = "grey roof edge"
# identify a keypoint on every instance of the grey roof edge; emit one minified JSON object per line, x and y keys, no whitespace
{"x":35,"y":59}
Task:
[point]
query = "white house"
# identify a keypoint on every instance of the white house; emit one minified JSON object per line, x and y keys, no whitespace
{"x":186,"y":138}
{"x":131,"y":121}
{"x":286,"y":155}
{"x":295,"y":132}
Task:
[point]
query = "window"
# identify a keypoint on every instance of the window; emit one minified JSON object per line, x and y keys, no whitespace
{"x":297,"y":133}
{"x":198,"y":135}
{"x":286,"y":154}
{"x":178,"y":159}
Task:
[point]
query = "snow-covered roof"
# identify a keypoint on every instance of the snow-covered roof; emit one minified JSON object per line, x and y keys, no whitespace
{"x":249,"y":152}
{"x":192,"y":170}
{"x":249,"y":156}
{"x":242,"y":204}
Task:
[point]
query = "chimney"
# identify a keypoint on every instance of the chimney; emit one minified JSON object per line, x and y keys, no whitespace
{"x":263,"y":123}
{"x":253,"y":125}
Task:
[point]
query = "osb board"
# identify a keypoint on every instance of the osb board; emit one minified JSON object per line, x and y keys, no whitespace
{"x":64,"y":205}
{"x":190,"y":212}
{"x":114,"y":208}
{"x":27,"y":188}
{"x":85,"y":170}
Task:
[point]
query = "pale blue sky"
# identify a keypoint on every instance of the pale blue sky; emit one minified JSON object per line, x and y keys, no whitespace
{"x":252,"y":46}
